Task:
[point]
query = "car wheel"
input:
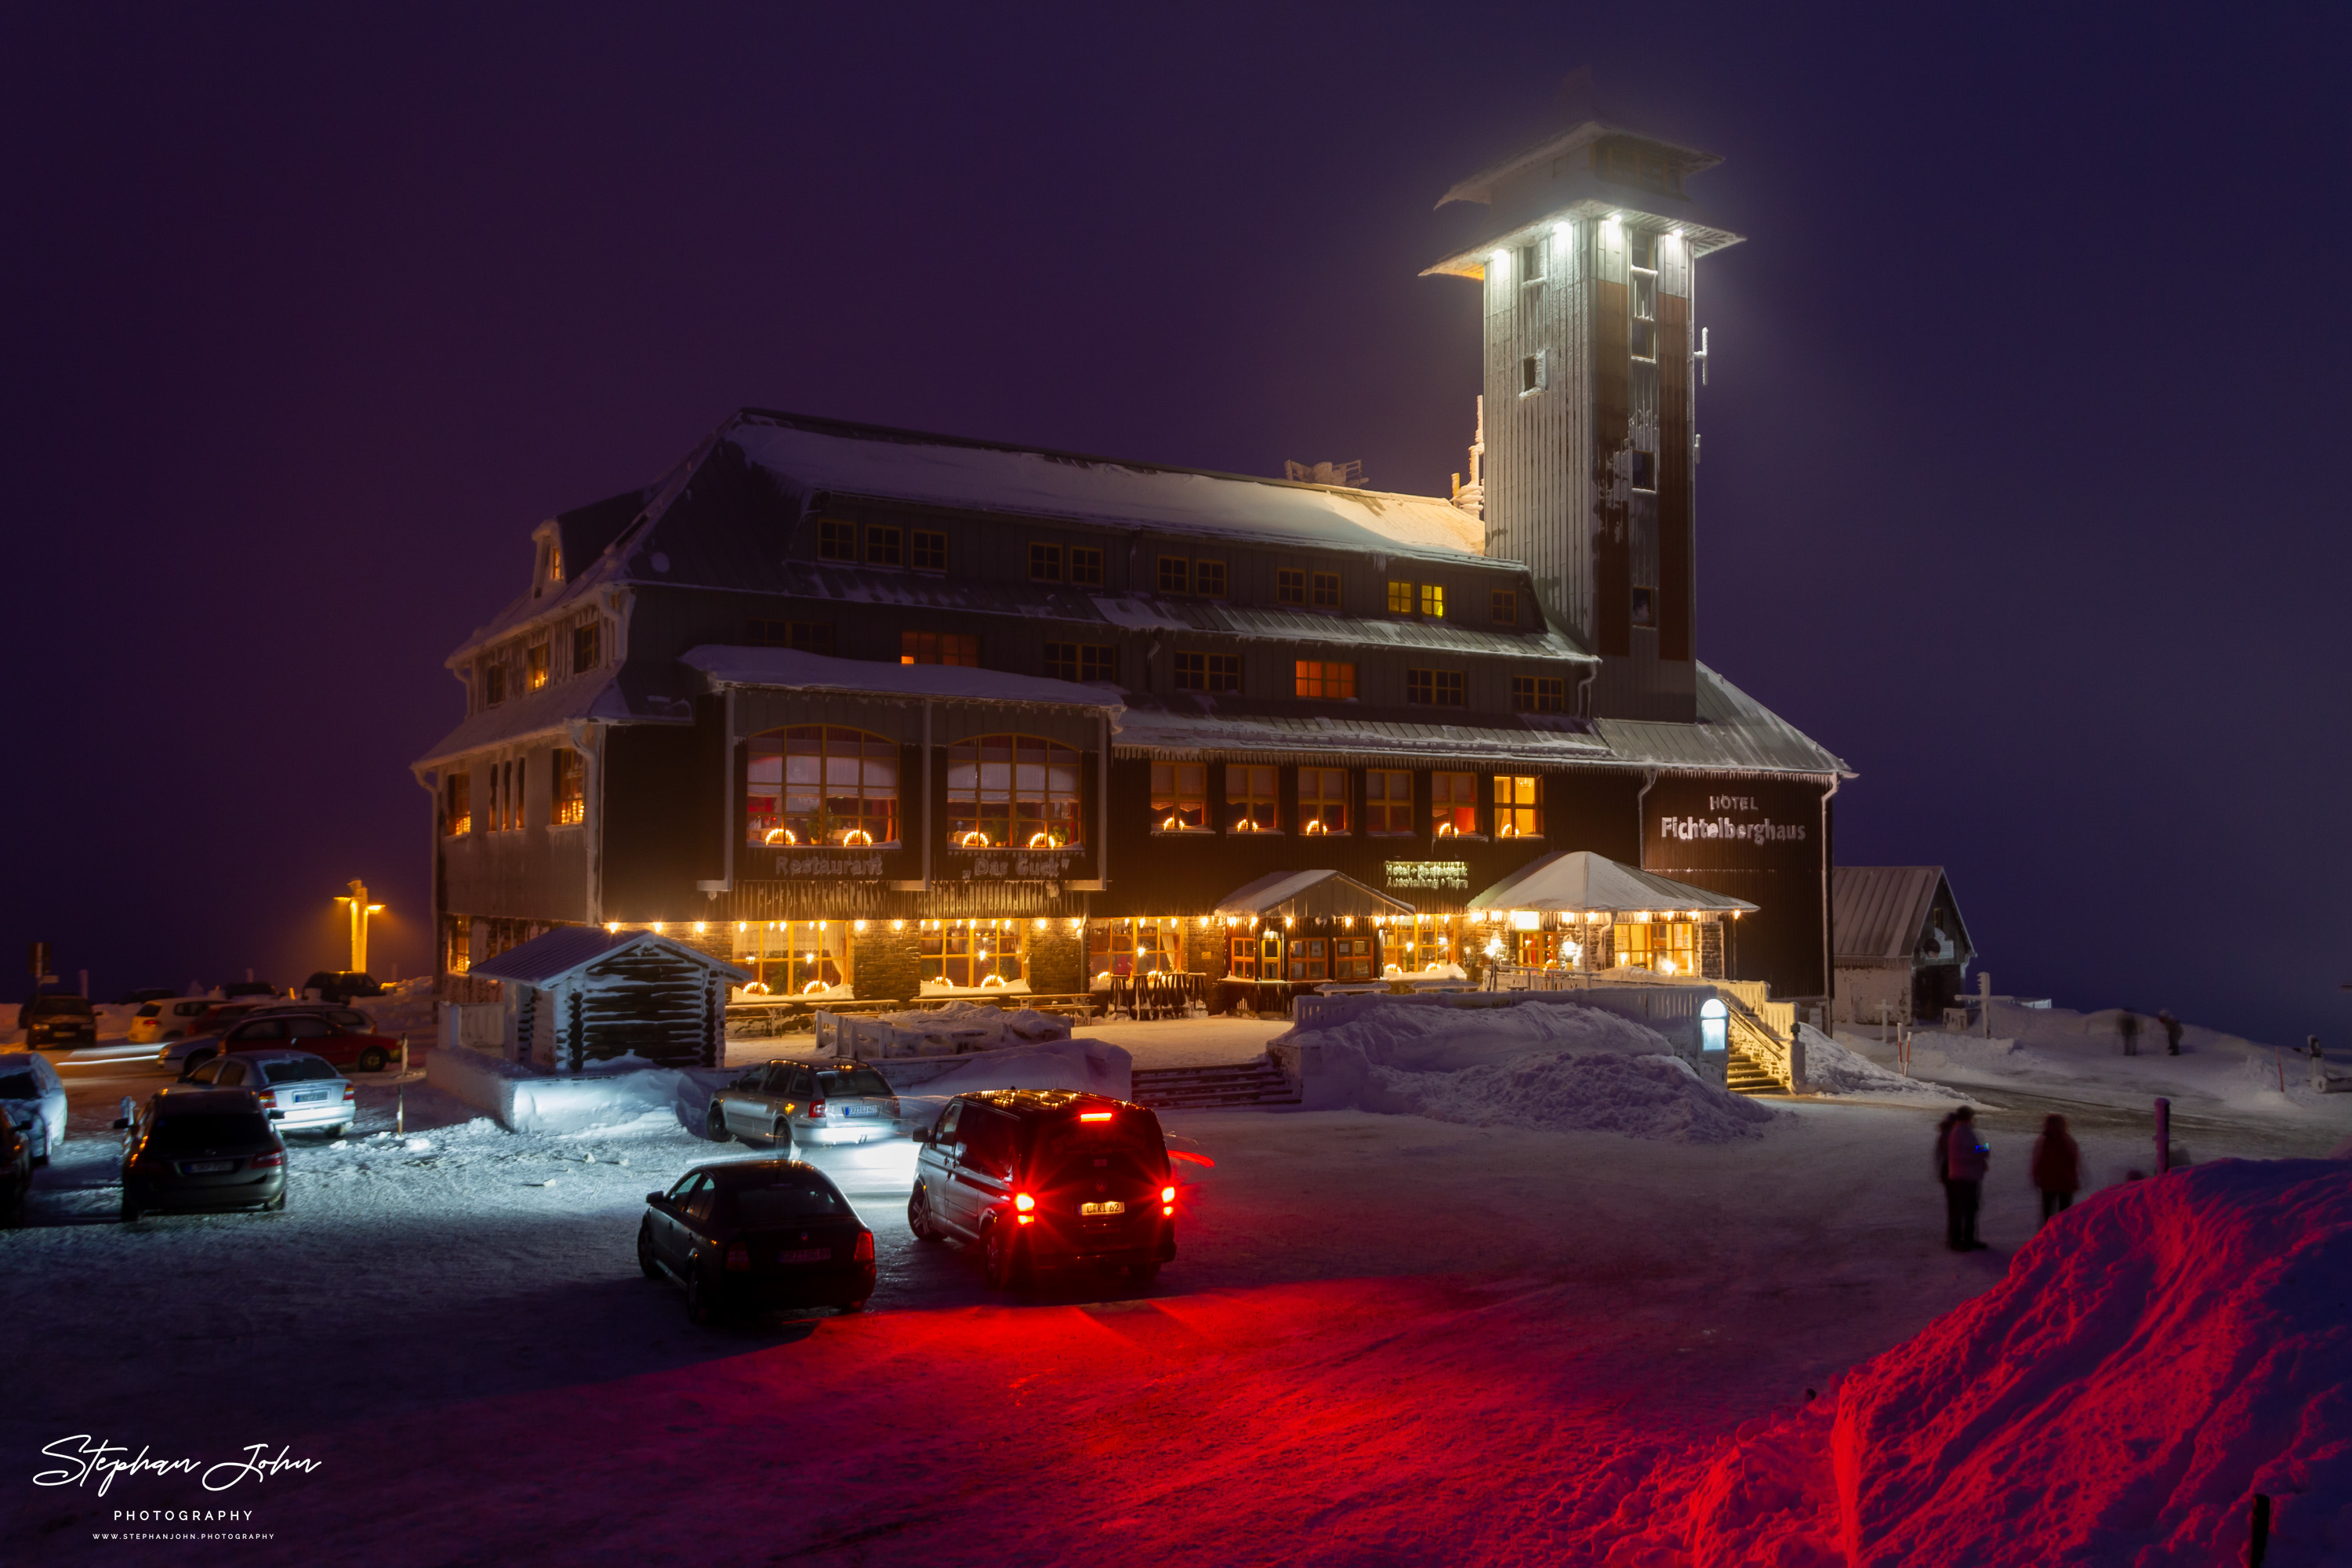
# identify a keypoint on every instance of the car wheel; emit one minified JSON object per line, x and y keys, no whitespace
{"x":276,"y":1205}
{"x":373,"y":1059}
{"x":714,"y":1126}
{"x":918,"y":1216}
{"x":645,"y":1249}
{"x":699,"y":1306}
{"x":1000,"y":1261}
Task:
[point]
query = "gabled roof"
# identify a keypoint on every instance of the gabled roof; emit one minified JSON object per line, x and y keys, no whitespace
{"x":1578,"y":880}
{"x":1878,"y":914}
{"x":1734,"y":730}
{"x":1314,"y":894}
{"x":553,"y":955}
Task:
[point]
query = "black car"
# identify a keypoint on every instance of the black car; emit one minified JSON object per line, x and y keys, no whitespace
{"x":748,"y":1234}
{"x":16,"y":1171}
{"x":58,"y":1018}
{"x":339,"y":985}
{"x":1047,"y":1179}
{"x":236,"y":989}
{"x":194,"y":1148}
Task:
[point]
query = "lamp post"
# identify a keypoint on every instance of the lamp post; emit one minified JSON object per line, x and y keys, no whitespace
{"x":360,"y":909}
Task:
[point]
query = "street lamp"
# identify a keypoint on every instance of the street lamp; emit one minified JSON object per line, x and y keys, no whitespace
{"x":360,"y":909}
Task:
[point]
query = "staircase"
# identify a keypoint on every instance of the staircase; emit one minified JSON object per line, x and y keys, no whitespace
{"x":1743,"y":1075}
{"x":1255,"y":1082}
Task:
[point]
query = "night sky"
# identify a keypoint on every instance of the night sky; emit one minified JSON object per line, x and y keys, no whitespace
{"x":2023,"y":438}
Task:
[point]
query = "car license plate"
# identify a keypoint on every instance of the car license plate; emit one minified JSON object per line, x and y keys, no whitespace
{"x":209,"y":1167}
{"x":1093,"y":1209}
{"x":858,"y":1110}
{"x":312,"y":1098}
{"x":805,"y":1255}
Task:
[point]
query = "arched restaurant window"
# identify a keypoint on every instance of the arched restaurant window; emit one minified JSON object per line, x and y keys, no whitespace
{"x":1018,"y":792}
{"x":820,"y":784}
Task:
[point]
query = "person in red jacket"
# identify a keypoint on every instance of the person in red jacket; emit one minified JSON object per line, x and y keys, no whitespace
{"x":2057,"y":1167}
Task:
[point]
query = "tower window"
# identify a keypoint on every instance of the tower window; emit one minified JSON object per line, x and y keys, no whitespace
{"x":1645,"y":606}
{"x":1531,"y":373}
{"x":836,"y":541}
{"x":1325,"y":591}
{"x":1045,"y":562}
{"x":882,"y":547}
{"x":1289,"y":587}
{"x":1531,"y":259}
{"x":1645,"y":469}
{"x":1503,"y":607}
{"x":1085,"y":567}
{"x":928,"y":551}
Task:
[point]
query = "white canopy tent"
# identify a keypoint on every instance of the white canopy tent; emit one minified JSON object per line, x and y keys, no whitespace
{"x":1578,"y":881}
{"x":1308,"y":895}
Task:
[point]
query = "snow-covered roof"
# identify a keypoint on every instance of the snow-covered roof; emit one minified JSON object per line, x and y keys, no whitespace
{"x":1878,"y":914}
{"x":547,"y":711}
{"x":789,"y":670}
{"x":551,"y":956}
{"x":1580,"y":879}
{"x":1734,"y":731}
{"x":1317,"y":895}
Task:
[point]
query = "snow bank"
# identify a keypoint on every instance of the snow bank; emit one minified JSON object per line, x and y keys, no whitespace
{"x":1830,"y":1068}
{"x":958,"y":1026}
{"x":1550,"y":1064}
{"x":624,"y":1093}
{"x":2155,"y":1356}
{"x":1087,"y":1066}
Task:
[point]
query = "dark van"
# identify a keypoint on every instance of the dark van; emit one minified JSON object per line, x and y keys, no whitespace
{"x":1047,"y":1179}
{"x":56,"y":1019}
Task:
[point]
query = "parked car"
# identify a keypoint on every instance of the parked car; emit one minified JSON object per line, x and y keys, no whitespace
{"x":342,"y":985}
{"x":788,"y":1103}
{"x":298,"y":1091}
{"x":1047,"y":1179}
{"x":15,"y":1173}
{"x":194,"y":1149}
{"x":237,"y":989}
{"x":34,"y":1099}
{"x":342,"y":1035}
{"x":168,"y":1019}
{"x":746,"y":1234}
{"x":58,"y":1018}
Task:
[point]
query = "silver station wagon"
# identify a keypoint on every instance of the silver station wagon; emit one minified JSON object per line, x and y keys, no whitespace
{"x":784,"y":1103}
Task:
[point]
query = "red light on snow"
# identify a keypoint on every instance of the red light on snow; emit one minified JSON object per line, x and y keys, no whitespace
{"x":1024,"y":1202}
{"x":1094,"y":1116}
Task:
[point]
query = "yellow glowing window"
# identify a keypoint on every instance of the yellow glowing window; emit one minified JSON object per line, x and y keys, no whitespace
{"x":1180,"y":797}
{"x":1433,"y":599}
{"x":570,"y":788}
{"x":1323,"y":800}
{"x":1250,"y":803}
{"x":1453,"y":805}
{"x":1400,"y":598}
{"x":1019,"y":790}
{"x":1519,"y":807}
{"x":1319,"y":678}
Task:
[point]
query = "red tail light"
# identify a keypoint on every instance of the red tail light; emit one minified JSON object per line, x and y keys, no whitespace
{"x":350,"y":1093}
{"x":269,"y":1162}
{"x":1167,"y":1194}
{"x":864,"y":1253}
{"x":739,"y":1259}
{"x":816,"y":1109}
{"x":1024,"y":1202}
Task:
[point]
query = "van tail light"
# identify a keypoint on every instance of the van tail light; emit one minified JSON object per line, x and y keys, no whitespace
{"x":739,"y":1259}
{"x":816,"y":1110}
{"x":1024,"y":1202}
{"x":269,"y":1162}
{"x":864,"y":1253}
{"x":1167,"y":1194}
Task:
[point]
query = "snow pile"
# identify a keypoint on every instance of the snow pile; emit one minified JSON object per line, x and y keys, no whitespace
{"x":1549,"y":1064}
{"x":1087,"y":1066}
{"x":941,"y":1031}
{"x":1830,"y":1068}
{"x":626,"y":1092}
{"x":1651,"y":1096}
{"x":2155,"y":1356}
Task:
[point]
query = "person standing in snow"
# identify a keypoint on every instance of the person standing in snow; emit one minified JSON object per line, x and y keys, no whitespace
{"x":1944,"y":1180}
{"x":2128,"y":1025}
{"x":2310,"y":1044}
{"x":2057,"y":1167}
{"x":2171,"y":1032}
{"x":1965,"y":1169}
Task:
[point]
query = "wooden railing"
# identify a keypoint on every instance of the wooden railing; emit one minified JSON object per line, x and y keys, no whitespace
{"x":1759,"y":1026}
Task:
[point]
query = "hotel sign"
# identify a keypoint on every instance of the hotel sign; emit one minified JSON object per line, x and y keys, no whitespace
{"x":1429,"y":876}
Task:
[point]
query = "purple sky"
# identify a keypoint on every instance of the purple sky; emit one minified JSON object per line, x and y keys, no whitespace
{"x":2014,"y":494}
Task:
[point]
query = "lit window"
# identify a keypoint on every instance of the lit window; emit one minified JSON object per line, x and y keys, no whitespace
{"x":1325,"y":678}
{"x":1135,"y":946}
{"x":1453,"y":805}
{"x":534,"y":666}
{"x":1323,"y":800}
{"x":795,"y":958}
{"x":1289,"y":586}
{"x":1436,"y":688}
{"x":458,"y":807}
{"x":1651,"y":944}
{"x":460,"y":944}
{"x":1388,"y":801}
{"x":1645,"y":313}
{"x":1325,"y":595}
{"x":939,"y":647}
{"x":927,"y":552}
{"x":976,"y":954}
{"x":1645,"y":606}
{"x":1081,"y":661}
{"x":570,"y":788}
{"x":1085,"y":567}
{"x":1519,"y":807}
{"x":1539,"y":694}
{"x":585,"y":650}
{"x":1180,"y":797}
{"x":1257,"y":956}
{"x":882,"y":547}
{"x":1208,"y":672}
{"x":1433,"y":600}
{"x":836,"y":541}
{"x":816,"y":784}
{"x":1013,"y":790}
{"x":1175,"y":574}
{"x":1503,"y":607}
{"x":1045,"y":564}
{"x":1400,"y":598}
{"x":1250,"y":803}
{"x":1208,"y":578}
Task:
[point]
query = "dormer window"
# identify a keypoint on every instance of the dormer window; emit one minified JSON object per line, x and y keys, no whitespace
{"x":554,"y":563}
{"x":494,"y":684}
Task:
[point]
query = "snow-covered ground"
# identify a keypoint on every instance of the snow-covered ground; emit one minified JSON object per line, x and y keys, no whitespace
{"x":1386,"y":1339}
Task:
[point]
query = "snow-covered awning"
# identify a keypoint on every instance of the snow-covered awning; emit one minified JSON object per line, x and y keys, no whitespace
{"x":1580,"y":879}
{"x":552,"y":955}
{"x":1313,"y":894}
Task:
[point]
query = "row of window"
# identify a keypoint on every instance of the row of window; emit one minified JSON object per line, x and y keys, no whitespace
{"x":506,"y":789}
{"x":824,"y":784}
{"x":582,"y":647}
{"x":1327,"y":803}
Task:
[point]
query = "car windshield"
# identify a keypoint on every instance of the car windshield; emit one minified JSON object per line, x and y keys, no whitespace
{"x":853,"y":1080}
{"x":307,"y":1071}
{"x":783,"y":1200}
{"x":209,"y":1130}
{"x":19,"y":1086}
